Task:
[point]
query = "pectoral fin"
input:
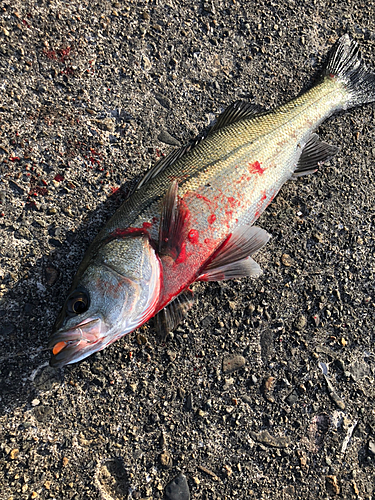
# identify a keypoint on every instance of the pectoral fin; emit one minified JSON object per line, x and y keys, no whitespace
{"x":173,"y":223}
{"x":233,"y":258}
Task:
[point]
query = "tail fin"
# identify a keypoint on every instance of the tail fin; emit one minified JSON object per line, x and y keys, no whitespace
{"x":345,"y":64}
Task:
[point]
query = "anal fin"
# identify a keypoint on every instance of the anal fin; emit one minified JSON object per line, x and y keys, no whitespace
{"x":314,"y":153}
{"x":171,"y":316}
{"x":233,"y":258}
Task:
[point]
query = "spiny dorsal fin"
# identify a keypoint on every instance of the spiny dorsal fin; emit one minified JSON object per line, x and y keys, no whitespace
{"x":171,"y":316}
{"x":232,"y":260}
{"x":314,"y":153}
{"x":167,"y":161}
{"x":235,"y":112}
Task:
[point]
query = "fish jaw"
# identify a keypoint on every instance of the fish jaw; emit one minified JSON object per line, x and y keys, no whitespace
{"x":73,"y":345}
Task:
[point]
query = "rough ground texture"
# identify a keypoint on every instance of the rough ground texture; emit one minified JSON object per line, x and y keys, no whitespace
{"x":91,"y":93}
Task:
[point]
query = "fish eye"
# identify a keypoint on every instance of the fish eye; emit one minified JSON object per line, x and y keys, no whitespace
{"x":78,"y":302}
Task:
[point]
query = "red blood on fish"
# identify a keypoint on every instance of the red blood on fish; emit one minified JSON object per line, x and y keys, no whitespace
{"x":255,"y":168}
{"x":193,"y":236}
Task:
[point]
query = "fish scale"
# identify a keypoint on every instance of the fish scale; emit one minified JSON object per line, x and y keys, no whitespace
{"x":192,"y":216}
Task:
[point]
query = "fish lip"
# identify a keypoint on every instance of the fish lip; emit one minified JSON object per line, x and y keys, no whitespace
{"x":74,"y":334}
{"x":72,"y":337}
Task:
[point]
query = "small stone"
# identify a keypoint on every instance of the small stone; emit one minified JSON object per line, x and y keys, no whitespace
{"x":344,"y":342}
{"x":233,"y":363}
{"x":141,"y":339}
{"x":316,"y":319}
{"x":50,"y":274}
{"x":133,"y":388}
{"x":301,"y":322}
{"x":228,"y":471}
{"x":13,"y":454}
{"x":265,"y":438}
{"x":269,"y":383}
{"x":371,"y":447}
{"x":318,"y":237}
{"x":172,"y":355}
{"x":178,"y":489}
{"x":355,"y":488}
{"x":228,"y":383}
{"x":47,"y":485}
{"x":332,"y":485}
{"x":34,"y":494}
{"x":65,"y":461}
{"x":168,"y":139}
{"x":35,"y":402}
{"x":286,"y":260}
{"x":189,"y":402}
{"x":166,"y":459}
{"x":196,"y":481}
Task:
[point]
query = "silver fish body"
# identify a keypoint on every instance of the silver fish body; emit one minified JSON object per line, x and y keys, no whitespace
{"x":192,"y":218}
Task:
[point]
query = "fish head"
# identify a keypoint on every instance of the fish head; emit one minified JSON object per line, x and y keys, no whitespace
{"x":117,"y":292}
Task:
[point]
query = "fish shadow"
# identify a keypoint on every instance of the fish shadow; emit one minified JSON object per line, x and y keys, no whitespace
{"x":28,"y":310}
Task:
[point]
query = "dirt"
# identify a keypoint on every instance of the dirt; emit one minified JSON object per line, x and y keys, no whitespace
{"x":92,"y":94}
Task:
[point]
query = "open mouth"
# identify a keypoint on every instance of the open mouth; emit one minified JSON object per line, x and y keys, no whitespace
{"x":67,"y":345}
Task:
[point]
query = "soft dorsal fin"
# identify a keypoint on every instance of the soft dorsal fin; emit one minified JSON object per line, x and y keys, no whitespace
{"x":171,"y":316}
{"x":239,"y":110}
{"x":167,"y":161}
{"x":233,"y":258}
{"x":173,"y":223}
{"x":314,"y":153}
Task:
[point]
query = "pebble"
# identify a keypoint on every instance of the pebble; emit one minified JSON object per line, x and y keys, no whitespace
{"x":265,"y":438}
{"x":168,"y":139}
{"x":286,"y":260}
{"x":332,"y":485}
{"x":166,"y":459}
{"x":50,"y":274}
{"x":371,"y":447}
{"x":228,"y":382}
{"x":189,"y":402}
{"x":301,"y":322}
{"x":178,"y":489}
{"x":35,"y":402}
{"x":14,"y":453}
{"x":172,"y":355}
{"x":208,"y":472}
{"x":333,"y":394}
{"x":233,"y":363}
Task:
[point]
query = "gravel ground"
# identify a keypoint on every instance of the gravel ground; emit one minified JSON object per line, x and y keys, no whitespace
{"x":92,"y":93}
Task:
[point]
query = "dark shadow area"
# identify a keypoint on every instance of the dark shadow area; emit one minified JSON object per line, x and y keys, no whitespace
{"x":25,"y":325}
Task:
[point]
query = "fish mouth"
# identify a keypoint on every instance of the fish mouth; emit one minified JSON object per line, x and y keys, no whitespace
{"x":72,"y":345}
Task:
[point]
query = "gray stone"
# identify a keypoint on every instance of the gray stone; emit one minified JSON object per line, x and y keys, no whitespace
{"x":178,"y":489}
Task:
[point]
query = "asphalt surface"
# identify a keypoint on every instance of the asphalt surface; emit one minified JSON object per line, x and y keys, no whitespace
{"x":266,"y":390}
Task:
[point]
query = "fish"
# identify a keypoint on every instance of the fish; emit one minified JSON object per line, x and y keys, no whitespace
{"x":191,"y":218}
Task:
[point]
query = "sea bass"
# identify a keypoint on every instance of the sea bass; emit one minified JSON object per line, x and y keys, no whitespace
{"x":191,"y":217}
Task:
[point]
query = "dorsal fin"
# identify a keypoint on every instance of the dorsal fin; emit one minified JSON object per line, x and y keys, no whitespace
{"x":167,"y":161}
{"x":239,"y":110}
{"x":314,"y":153}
